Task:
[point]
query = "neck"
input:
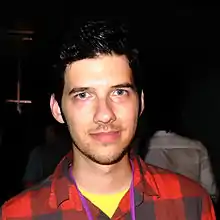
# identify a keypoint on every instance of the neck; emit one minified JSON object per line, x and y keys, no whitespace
{"x":101,"y":179}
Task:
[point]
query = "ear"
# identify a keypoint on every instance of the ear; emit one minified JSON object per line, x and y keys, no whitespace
{"x":142,"y":102}
{"x":55,"y":109}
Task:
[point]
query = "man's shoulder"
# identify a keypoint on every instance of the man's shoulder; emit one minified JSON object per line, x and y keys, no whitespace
{"x":173,"y":184}
{"x":26,"y":199}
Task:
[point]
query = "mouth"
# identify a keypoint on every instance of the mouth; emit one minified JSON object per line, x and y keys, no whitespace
{"x":106,"y":137}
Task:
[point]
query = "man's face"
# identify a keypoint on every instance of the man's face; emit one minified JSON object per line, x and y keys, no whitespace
{"x":100,"y":106}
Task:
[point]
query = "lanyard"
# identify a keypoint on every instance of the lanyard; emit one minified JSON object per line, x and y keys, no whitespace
{"x":84,"y":202}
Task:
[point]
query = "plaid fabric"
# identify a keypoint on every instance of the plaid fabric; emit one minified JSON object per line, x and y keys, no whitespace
{"x":159,"y":195}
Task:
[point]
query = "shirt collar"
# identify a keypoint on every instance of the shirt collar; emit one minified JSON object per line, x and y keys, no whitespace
{"x":62,"y":188}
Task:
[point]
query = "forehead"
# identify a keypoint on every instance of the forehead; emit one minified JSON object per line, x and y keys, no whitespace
{"x":102,"y":70}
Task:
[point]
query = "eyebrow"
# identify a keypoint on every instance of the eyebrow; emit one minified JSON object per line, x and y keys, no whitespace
{"x":83,"y":89}
{"x":79,"y":89}
{"x":123,"y":85}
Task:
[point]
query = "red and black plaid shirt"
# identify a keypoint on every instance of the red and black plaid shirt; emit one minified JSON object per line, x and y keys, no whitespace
{"x":159,"y":195}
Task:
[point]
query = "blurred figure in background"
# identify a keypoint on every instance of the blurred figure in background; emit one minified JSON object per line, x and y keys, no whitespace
{"x":184,"y":156}
{"x":44,"y":158}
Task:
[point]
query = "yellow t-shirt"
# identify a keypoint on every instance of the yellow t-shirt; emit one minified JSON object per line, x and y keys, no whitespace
{"x":107,"y":203}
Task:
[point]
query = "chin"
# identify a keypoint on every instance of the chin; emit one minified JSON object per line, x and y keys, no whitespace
{"x":108,"y":159}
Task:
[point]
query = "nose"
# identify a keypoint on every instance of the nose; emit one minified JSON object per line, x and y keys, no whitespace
{"x":104,"y":113}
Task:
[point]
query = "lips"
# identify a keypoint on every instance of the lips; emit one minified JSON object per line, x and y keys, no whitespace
{"x":106,"y":136}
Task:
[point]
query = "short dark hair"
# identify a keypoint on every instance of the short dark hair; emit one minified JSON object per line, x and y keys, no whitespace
{"x":92,"y":38}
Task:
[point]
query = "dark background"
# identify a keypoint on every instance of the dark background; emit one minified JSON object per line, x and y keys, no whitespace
{"x":179,"y":48}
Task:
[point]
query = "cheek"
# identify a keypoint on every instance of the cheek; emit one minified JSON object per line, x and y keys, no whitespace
{"x":129,"y":113}
{"x":77,"y":117}
{"x":129,"y":119}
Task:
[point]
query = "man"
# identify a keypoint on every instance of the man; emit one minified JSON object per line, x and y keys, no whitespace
{"x":184,"y":156}
{"x":101,"y":100}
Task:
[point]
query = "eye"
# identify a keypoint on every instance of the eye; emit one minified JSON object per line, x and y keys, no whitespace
{"x":82,"y":95}
{"x":120,"y":92}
